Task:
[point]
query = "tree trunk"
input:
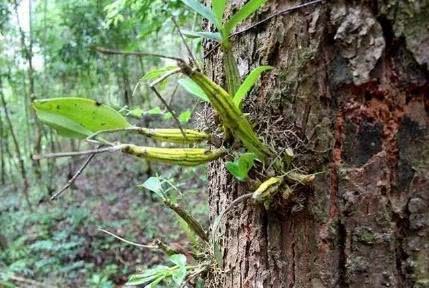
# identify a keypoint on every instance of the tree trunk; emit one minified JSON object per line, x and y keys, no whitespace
{"x":21,"y":163}
{"x":349,"y":94}
{"x":2,"y":152}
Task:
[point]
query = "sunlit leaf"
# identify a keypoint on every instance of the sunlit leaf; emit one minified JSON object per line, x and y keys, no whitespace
{"x":158,"y":72}
{"x":241,"y":167}
{"x":248,"y":84}
{"x":185,"y":116}
{"x":136,"y":112}
{"x":218,"y":7}
{"x":167,"y":116}
{"x":204,"y":11}
{"x":248,"y":9}
{"x":179,"y":275}
{"x":149,"y":275}
{"x":153,"y":184}
{"x":154,"y":111}
{"x":193,"y":88}
{"x":202,"y":34}
{"x":78,"y":117}
{"x":178,"y":259}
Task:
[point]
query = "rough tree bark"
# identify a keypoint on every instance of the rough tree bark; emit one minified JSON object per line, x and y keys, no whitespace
{"x":350,"y":94}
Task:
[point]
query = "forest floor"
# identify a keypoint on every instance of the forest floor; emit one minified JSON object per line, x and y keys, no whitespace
{"x":59,"y":244}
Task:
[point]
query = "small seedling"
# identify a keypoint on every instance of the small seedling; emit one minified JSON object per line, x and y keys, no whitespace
{"x":168,"y":274}
{"x":240,"y":168}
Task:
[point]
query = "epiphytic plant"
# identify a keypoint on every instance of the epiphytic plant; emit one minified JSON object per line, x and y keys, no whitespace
{"x":87,"y":119}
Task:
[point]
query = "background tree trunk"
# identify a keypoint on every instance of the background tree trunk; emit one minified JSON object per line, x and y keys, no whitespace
{"x":350,"y":95}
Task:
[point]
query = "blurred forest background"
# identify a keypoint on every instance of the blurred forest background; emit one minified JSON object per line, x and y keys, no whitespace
{"x":47,"y":50}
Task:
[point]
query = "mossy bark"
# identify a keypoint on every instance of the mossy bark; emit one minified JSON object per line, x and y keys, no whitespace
{"x":350,"y":93}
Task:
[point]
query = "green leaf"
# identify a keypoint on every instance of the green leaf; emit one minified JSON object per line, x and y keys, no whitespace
{"x":178,"y":259}
{"x":153,"y":184}
{"x":167,"y":116}
{"x":241,"y":167}
{"x":218,"y":7}
{"x":158,"y":72}
{"x":136,"y":113}
{"x":248,"y":84}
{"x":204,"y":11}
{"x":155,"y":282}
{"x":179,"y":275}
{"x":193,"y":88}
{"x":149,"y":275}
{"x":185,"y":116}
{"x":78,"y":117}
{"x":248,"y":9}
{"x":202,"y":34}
{"x":154,"y":111}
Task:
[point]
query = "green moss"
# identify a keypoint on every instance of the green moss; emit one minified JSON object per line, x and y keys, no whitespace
{"x":421,"y":271}
{"x":365,"y":235}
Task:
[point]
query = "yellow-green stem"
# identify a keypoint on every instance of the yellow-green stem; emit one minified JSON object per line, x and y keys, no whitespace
{"x":231,"y":71}
{"x":231,"y":115}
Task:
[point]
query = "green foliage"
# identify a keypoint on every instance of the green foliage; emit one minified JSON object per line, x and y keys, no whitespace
{"x":154,"y":184}
{"x":215,"y":15}
{"x":78,"y":117}
{"x":185,"y":116}
{"x":209,"y":35}
{"x":157,"y":73}
{"x":240,"y":167}
{"x":189,"y":85}
{"x":248,"y":84}
{"x":204,"y":11}
{"x":172,"y":275}
{"x":218,"y":7}
{"x":56,"y":244}
{"x":248,"y":9}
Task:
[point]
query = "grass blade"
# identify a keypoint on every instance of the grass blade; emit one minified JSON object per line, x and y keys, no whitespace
{"x":248,"y":9}
{"x":248,"y":84}
{"x":204,"y":11}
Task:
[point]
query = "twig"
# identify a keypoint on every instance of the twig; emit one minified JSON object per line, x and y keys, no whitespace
{"x":75,"y":176}
{"x":173,"y":94}
{"x":80,"y":153}
{"x":284,"y":11}
{"x":225,"y":211}
{"x":184,"y":42}
{"x":163,"y":77}
{"x":129,"y":242}
{"x":169,"y":110}
{"x":193,"y":224}
{"x":135,"y":53}
{"x":157,"y":245}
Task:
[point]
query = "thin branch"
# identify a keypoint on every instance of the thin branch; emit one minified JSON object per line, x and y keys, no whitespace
{"x":281,"y":12}
{"x":80,"y":153}
{"x":75,"y":176}
{"x":157,"y":245}
{"x":193,"y":224}
{"x":169,"y":110}
{"x":92,"y":138}
{"x":135,"y":53}
{"x":165,"y":76}
{"x":173,"y":94}
{"x":129,"y":242}
{"x":184,"y":42}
